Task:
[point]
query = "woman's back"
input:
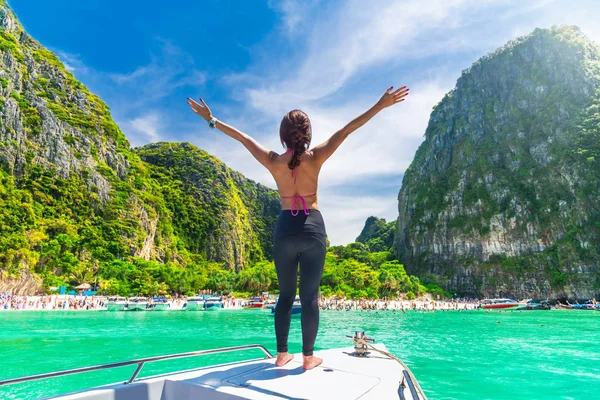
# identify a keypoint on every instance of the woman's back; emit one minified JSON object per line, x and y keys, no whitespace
{"x":302,"y":181}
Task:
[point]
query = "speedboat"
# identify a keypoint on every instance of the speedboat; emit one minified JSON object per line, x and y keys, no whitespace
{"x":499,"y":304}
{"x":588,"y":305}
{"x":116,"y":303}
{"x":296,"y":308}
{"x":269,"y":304}
{"x":195,"y":303}
{"x":532,"y":305}
{"x":137,"y":304}
{"x":161,"y":304}
{"x":364,"y":371}
{"x":213,"y":304}
{"x":254,"y":303}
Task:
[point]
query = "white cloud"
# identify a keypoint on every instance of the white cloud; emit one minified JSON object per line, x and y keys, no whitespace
{"x":72,"y":62}
{"x":168,"y":70}
{"x":294,"y":13}
{"x":143,"y":129}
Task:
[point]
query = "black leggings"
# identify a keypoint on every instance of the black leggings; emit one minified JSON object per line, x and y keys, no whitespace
{"x":299,"y":240}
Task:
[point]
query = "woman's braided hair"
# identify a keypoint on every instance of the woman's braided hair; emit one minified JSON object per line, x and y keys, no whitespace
{"x":295,"y":133}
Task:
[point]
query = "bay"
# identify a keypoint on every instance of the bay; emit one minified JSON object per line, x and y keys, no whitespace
{"x":454,"y":355}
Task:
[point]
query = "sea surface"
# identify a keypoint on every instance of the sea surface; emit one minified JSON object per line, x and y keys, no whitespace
{"x":454,"y":355}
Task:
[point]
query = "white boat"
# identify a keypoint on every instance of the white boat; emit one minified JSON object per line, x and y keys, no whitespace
{"x":116,"y":303}
{"x":269,"y":304}
{"x":296,"y":307}
{"x":161,"y":304}
{"x":137,"y":304}
{"x":255,"y":303}
{"x":499,"y":304}
{"x":213,"y":304}
{"x":365,"y":372}
{"x":195,"y":303}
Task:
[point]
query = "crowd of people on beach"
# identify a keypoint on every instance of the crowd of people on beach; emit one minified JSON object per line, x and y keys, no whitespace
{"x":424,"y":305}
{"x":10,"y":302}
{"x":78,"y":302}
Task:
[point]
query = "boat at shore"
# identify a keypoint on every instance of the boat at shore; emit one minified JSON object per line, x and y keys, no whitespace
{"x":269,"y":304}
{"x":499,"y":304}
{"x":194,"y":303}
{"x":116,"y":303}
{"x":588,"y":305}
{"x":137,"y":304}
{"x":533,"y":306}
{"x":213,"y":304}
{"x":296,"y":308}
{"x":254,"y":303}
{"x":365,"y":371}
{"x":161,"y":304}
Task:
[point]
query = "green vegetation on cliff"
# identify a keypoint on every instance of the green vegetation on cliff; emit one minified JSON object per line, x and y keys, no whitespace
{"x":213,"y":206}
{"x":377,"y":234}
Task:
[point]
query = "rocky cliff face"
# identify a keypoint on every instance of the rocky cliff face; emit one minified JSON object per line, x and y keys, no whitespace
{"x":73,"y":195}
{"x":502,"y":197}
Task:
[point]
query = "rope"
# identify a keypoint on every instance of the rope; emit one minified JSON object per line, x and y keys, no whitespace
{"x":393,"y":357}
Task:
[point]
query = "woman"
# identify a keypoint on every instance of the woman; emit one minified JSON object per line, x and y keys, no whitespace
{"x":299,"y":236}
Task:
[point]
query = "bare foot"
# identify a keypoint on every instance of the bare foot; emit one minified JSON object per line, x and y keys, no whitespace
{"x":283,"y":358}
{"x":311,"y":361}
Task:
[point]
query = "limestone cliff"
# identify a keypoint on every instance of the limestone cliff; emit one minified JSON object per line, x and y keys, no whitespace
{"x":502,"y":197}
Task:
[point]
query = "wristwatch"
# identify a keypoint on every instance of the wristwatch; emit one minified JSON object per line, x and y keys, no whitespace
{"x":212,"y":123}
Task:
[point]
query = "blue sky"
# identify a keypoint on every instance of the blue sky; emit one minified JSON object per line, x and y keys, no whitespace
{"x":252,"y":61}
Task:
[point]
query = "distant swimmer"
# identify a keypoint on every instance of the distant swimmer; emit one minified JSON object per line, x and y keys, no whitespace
{"x":300,"y":236}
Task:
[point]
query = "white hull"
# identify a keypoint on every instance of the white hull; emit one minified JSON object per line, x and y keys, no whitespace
{"x":115,"y":306}
{"x":213,"y":307}
{"x":194,"y":306}
{"x":136,"y":306}
{"x":162,"y":307}
{"x":340,"y":377}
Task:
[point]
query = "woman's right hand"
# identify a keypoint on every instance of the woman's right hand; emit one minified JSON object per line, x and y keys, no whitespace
{"x":390,"y":98}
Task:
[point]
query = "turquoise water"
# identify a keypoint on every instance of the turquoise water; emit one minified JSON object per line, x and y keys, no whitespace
{"x":454,"y":355}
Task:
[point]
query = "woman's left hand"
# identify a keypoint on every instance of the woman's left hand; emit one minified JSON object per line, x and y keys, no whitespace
{"x":200,"y":109}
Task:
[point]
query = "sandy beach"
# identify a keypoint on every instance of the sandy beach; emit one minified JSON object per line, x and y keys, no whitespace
{"x":99,"y":303}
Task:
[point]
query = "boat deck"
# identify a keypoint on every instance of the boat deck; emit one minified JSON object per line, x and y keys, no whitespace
{"x":340,"y":377}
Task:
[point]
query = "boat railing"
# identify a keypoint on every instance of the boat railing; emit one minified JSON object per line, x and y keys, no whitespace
{"x":140,"y":364}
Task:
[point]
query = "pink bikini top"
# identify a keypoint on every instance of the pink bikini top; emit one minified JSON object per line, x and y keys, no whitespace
{"x":297,"y":197}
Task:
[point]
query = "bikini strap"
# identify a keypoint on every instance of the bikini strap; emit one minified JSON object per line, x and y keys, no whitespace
{"x":295,"y":207}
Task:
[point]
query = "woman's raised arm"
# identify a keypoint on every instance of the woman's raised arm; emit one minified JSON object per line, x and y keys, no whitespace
{"x":262,"y":155}
{"x":324,"y":150}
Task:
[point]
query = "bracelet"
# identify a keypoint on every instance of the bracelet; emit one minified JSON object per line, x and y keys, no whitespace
{"x":212,"y":123}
